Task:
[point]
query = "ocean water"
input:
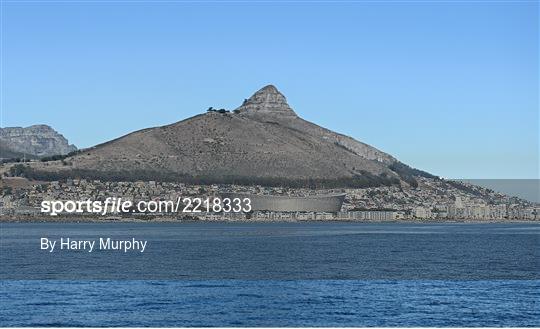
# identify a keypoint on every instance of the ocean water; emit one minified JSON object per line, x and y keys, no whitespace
{"x":270,"y":303}
{"x":274,"y":274}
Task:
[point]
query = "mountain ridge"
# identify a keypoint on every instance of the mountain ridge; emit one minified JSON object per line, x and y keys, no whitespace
{"x":261,"y":140}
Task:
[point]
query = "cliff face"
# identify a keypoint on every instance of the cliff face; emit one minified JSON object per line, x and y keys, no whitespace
{"x":37,"y":140}
{"x":267,"y":101}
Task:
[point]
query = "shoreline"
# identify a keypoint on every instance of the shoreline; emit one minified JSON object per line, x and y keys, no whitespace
{"x":59,"y":219}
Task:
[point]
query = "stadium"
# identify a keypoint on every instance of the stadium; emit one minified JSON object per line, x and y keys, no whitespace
{"x":319,"y":203}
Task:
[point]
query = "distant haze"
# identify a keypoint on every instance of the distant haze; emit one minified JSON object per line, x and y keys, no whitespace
{"x":528,"y":189}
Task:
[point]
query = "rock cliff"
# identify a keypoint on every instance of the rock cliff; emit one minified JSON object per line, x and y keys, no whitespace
{"x":36,"y":140}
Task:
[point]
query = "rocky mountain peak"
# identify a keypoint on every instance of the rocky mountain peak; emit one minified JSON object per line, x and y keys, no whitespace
{"x":267,"y":100}
{"x":38,"y":140}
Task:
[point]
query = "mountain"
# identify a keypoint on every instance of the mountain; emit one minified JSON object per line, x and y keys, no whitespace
{"x":32,"y":142}
{"x":262,"y":141}
{"x":6,"y":153}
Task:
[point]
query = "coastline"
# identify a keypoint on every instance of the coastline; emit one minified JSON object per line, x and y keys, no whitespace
{"x":164,"y":219}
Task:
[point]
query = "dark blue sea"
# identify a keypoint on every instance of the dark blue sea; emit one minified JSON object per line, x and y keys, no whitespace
{"x":274,"y":274}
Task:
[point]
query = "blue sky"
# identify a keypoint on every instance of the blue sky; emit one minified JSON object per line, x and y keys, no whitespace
{"x":451,"y":88}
